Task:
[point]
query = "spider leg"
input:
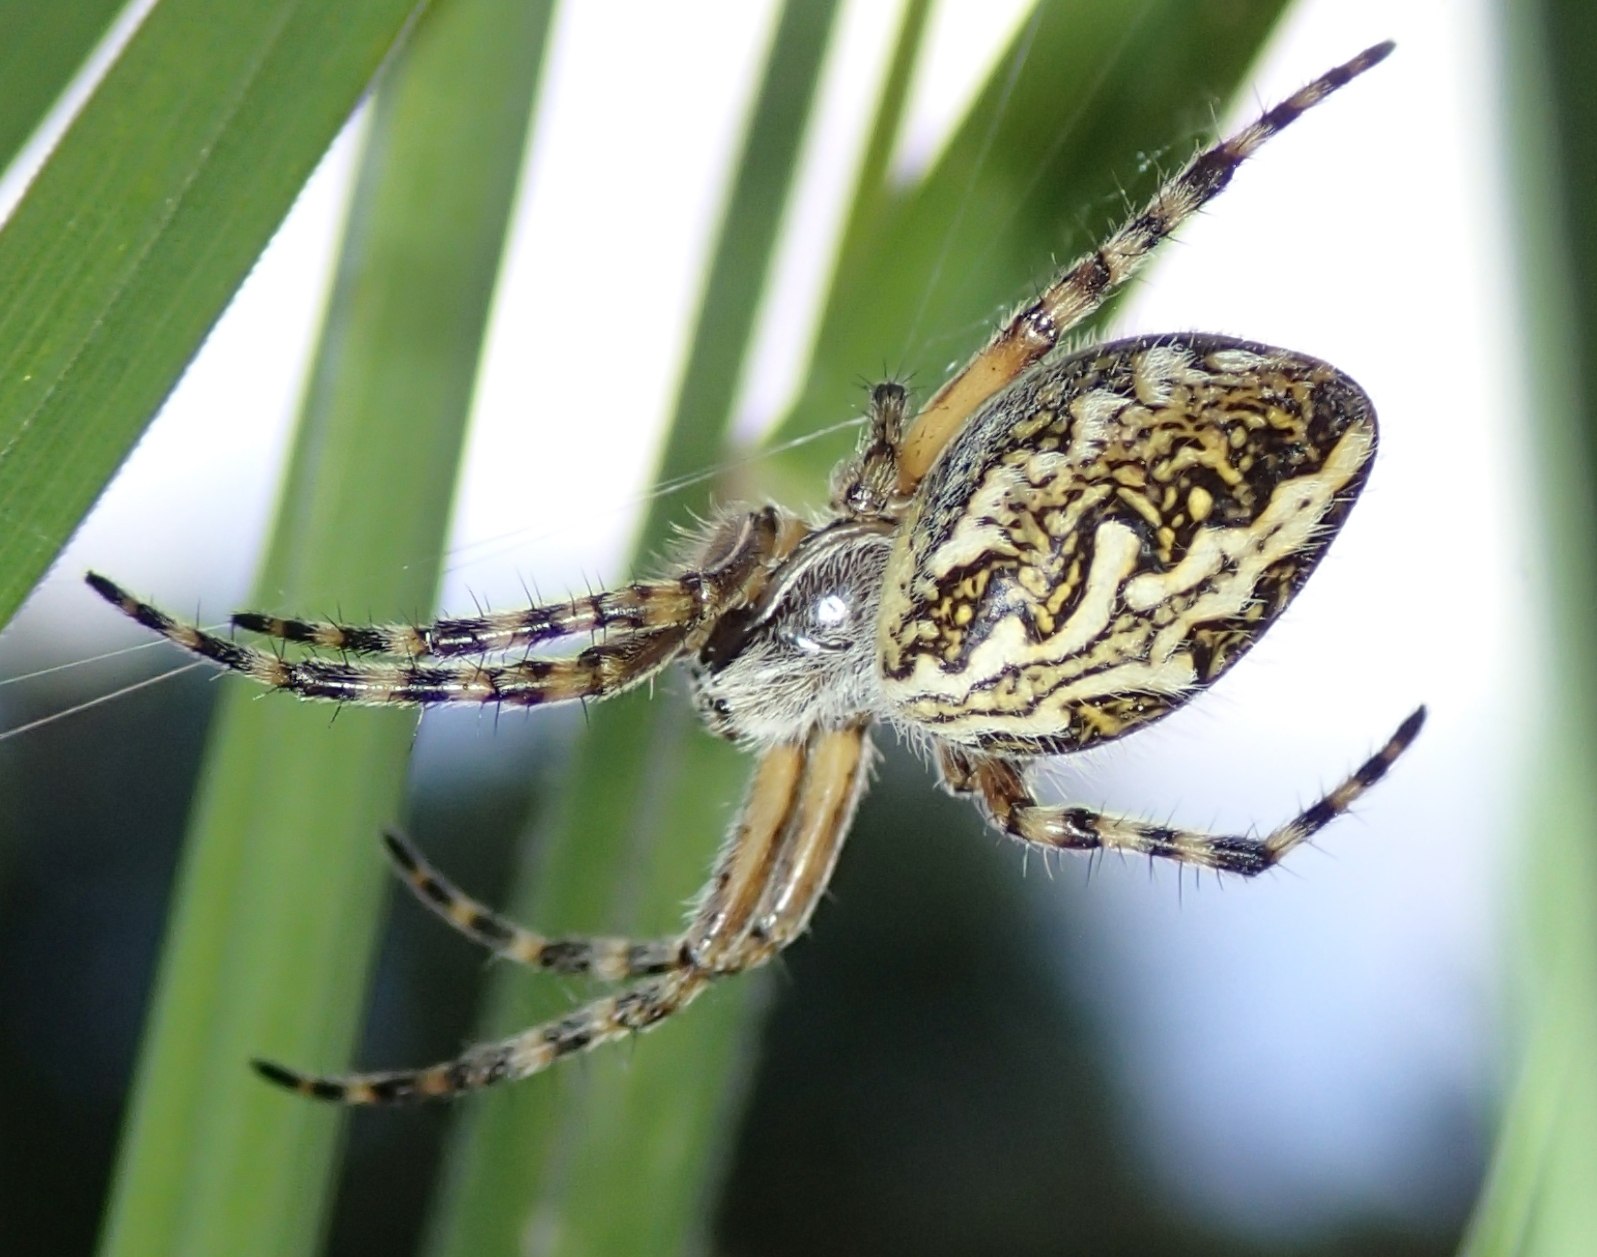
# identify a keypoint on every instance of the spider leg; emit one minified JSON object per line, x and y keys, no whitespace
{"x":761,"y":895}
{"x":598,"y":671}
{"x":732,"y":555}
{"x":639,"y":606}
{"x":609,"y":959}
{"x":521,"y":1056}
{"x":866,"y":485}
{"x":1035,"y":329}
{"x":808,"y":863}
{"x":835,"y":780}
{"x":1010,"y":807}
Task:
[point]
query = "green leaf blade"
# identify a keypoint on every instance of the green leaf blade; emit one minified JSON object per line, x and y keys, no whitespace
{"x":644,"y":805}
{"x":41,"y":48}
{"x":134,"y":236}
{"x":280,"y":893}
{"x":1537,"y":1200}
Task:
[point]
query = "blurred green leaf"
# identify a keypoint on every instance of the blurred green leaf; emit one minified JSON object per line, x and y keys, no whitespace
{"x":41,"y":47}
{"x":1539,"y":1198}
{"x":279,"y":896}
{"x":616,"y":1157}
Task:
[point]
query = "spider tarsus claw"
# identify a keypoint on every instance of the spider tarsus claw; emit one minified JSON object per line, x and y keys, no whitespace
{"x":401,"y":850}
{"x":135,"y":609}
{"x":275,"y":1073}
{"x":1376,"y":53}
{"x":310,"y":1086}
{"x":111,"y":592}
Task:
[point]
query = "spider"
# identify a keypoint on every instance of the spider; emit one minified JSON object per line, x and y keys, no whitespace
{"x":1064,"y":545}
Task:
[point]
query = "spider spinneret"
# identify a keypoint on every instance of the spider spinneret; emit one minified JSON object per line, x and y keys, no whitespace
{"x":1061,"y":547}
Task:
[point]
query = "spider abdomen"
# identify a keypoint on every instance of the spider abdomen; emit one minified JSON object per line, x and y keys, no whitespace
{"x":1111,"y":533}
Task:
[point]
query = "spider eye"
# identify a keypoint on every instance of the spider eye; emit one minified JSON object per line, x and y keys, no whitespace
{"x":811,"y":645}
{"x":823,"y":626}
{"x":831,"y":611}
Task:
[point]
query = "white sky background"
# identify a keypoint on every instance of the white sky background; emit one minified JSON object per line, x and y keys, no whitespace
{"x":1280,"y":1042}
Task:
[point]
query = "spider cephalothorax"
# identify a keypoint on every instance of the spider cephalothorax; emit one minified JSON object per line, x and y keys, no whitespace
{"x":802,"y":653}
{"x":1062,"y":546}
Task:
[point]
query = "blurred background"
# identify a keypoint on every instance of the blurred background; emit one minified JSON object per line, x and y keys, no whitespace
{"x":971,"y":1052}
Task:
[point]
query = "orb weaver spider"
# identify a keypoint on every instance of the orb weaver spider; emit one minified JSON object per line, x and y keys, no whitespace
{"x":1064,"y":545}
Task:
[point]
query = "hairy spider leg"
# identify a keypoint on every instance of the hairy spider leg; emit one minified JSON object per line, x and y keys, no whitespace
{"x":1035,"y":329}
{"x":1000,"y":787}
{"x":765,"y":887}
{"x":734,"y":560}
{"x":641,"y":605}
{"x":729,"y":557}
{"x":606,"y":958}
{"x":598,"y":671}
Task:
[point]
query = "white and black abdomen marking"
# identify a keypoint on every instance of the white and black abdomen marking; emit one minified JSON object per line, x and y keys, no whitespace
{"x":1110,"y":533}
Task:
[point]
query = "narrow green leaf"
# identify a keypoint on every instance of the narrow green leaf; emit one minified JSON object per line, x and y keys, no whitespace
{"x":1538,"y":1199}
{"x":278,"y":902}
{"x":142,"y":224}
{"x":41,"y":47}
{"x":616,"y":1157}
{"x":871,"y":190}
